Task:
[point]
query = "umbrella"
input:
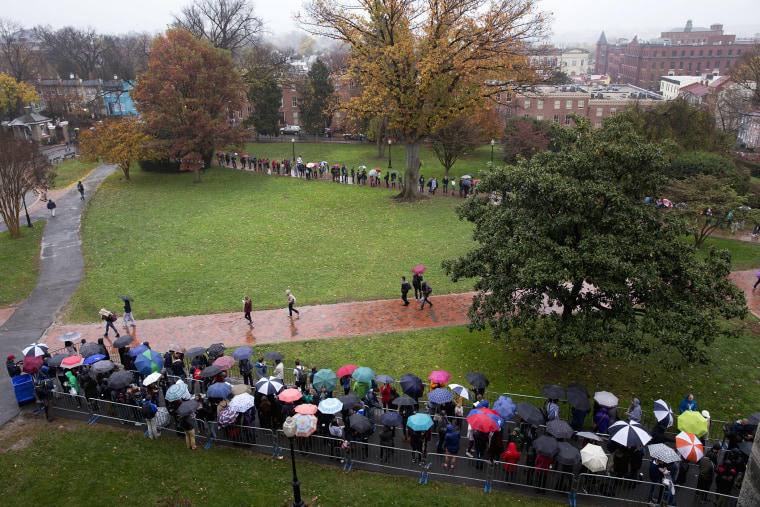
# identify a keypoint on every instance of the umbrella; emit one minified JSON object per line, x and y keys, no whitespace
{"x":346,"y":370}
{"x":152,"y":378}
{"x":384,"y":379}
{"x":505,"y":407}
{"x":394,"y":172}
{"x":71,"y":336}
{"x":138,"y":350}
{"x":392,"y":419}
{"x":32,"y":364}
{"x":72,"y":362}
{"x":360,"y":423}
{"x":411,"y":385}
{"x":35,"y":350}
{"x":691,"y":421}
{"x":89,"y":349}
{"x":663,"y":453}
{"x":226,"y":417}
{"x":336,"y":166}
{"x":440,"y":396}
{"x":93,"y":359}
{"x":689,"y":446}
{"x":242,"y":402}
{"x":404,"y":400}
{"x":483,"y":422}
{"x":126,"y":298}
{"x":418,"y":270}
{"x":554,"y":392}
{"x":103,"y":366}
{"x":239,"y":389}
{"x":350,"y":400}
{"x":745,"y":448}
{"x":629,"y":433}
{"x":176,"y":391}
{"x":120,"y":379}
{"x":216,"y":349}
{"x":306,"y":424}
{"x":559,"y":428}
{"x":330,"y":406}
{"x":269,"y":385}
{"x":219,"y":390}
{"x":439,"y":377}
{"x":362,"y":167}
{"x":148,"y":362}
{"x":123,"y":341}
{"x":546,"y":446}
{"x":212,"y":370}
{"x":419,"y":422}
{"x":325,"y":377}
{"x":363,"y":374}
{"x":594,"y":458}
{"x":466,"y":177}
{"x":56,"y":360}
{"x":188,"y":407}
{"x":530,"y":414}
{"x":460,"y":391}
{"x":567,"y":454}
{"x":754,"y":419}
{"x":606,"y":399}
{"x":373,"y":172}
{"x":324,"y":162}
{"x":477,"y":380}
{"x":306,"y":408}
{"x":310,"y":165}
{"x":225,"y":362}
{"x":663,"y":413}
{"x":575,"y":386}
{"x":242,"y":353}
{"x":290,"y":395}
{"x":274,"y":356}
{"x":578,"y":400}
{"x":588,"y":436}
{"x":195,"y":352}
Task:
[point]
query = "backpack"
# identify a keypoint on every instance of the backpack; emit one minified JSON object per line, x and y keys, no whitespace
{"x":147,"y":410}
{"x":303,"y":377}
{"x":429,"y":289}
{"x":112,"y":317}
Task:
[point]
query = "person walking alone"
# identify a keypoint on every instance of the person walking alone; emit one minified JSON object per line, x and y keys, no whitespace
{"x":51,"y":206}
{"x":405,"y":288}
{"x":80,"y":188}
{"x":128,"y":314}
{"x":291,"y":302}
{"x":247,"y":307}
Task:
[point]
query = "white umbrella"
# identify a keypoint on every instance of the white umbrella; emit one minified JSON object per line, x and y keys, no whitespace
{"x":372,"y":172}
{"x":606,"y":399}
{"x":150,"y":379}
{"x":460,"y":390}
{"x":663,"y":453}
{"x":269,"y":385}
{"x":629,"y":434}
{"x":663,"y":413}
{"x":594,"y":458}
{"x":35,"y":350}
{"x":588,"y":435}
{"x":71,"y":336}
{"x":242,"y":402}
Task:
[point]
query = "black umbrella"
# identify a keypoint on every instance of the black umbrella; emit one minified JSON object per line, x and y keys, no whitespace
{"x":411,"y":385}
{"x":579,"y":400}
{"x":195,"y":352}
{"x":546,"y":446}
{"x":575,"y":386}
{"x":554,"y":392}
{"x":530,"y":413}
{"x":350,"y":400}
{"x":123,"y":341}
{"x":275,"y":356}
{"x":216,"y":349}
{"x":188,"y":407}
{"x":56,"y":360}
{"x":559,"y":428}
{"x":103,"y":366}
{"x":745,"y":448}
{"x":384,"y":379}
{"x":477,"y":380}
{"x":754,"y":419}
{"x":567,"y":454}
{"x":89,"y":349}
{"x":126,"y":298}
{"x":120,"y":380}
{"x":359,"y":423}
{"x":212,"y":370}
{"x":392,"y":419}
{"x":404,"y":400}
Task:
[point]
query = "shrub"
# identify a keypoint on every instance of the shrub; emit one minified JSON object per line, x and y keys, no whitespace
{"x":159,"y":166}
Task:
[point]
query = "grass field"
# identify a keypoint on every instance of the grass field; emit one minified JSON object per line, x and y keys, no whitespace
{"x":20,"y":258}
{"x":76,"y":464}
{"x":744,"y":254}
{"x":71,"y":171}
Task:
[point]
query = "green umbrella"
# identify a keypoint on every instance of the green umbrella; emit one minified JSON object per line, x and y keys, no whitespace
{"x":363,"y":374}
{"x":325,"y":378}
{"x":693,"y":422}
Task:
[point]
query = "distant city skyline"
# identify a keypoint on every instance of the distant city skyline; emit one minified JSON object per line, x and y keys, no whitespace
{"x":577,"y":21}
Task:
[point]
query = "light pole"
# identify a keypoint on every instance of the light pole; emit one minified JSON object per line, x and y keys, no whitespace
{"x":492,"y":143}
{"x":294,"y":149}
{"x":389,"y":154}
{"x":289,"y":428}
{"x":28,"y":221}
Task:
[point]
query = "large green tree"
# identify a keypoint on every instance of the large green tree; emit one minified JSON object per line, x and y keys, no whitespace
{"x":317,"y":98}
{"x":570,"y":230}
{"x":264,"y":72}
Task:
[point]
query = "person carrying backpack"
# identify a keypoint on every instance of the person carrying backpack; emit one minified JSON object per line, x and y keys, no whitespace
{"x":426,"y":291}
{"x":148,"y":411}
{"x":301,"y":376}
{"x":110,"y":318}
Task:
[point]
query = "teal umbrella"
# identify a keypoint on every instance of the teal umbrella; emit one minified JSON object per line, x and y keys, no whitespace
{"x":325,"y":378}
{"x":363,"y":374}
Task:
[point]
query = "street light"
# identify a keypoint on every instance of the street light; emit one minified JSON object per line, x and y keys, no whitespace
{"x":289,"y":428}
{"x":294,"y":149}
{"x":389,"y":154}
{"x":28,"y":221}
{"x":492,"y":143}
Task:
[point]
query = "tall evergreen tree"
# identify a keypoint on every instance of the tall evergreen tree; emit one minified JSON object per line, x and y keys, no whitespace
{"x":317,"y":98}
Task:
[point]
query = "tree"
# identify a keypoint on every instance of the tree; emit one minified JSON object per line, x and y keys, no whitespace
{"x":524,"y":137}
{"x":746,"y":73}
{"x":560,"y":77}
{"x":227,"y":24}
{"x":454,"y":140}
{"x":264,"y":69}
{"x":73,"y":50}
{"x":17,"y":55}
{"x":691,"y":163}
{"x":185,"y":96}
{"x":118,"y":141}
{"x":423,"y":65}
{"x":13,"y":96}
{"x":317,"y":98}
{"x":23,"y":167}
{"x":126,"y":55}
{"x":572,"y":231}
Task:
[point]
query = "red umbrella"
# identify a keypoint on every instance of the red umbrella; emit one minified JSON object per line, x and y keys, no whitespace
{"x":418,"y":270}
{"x":71,"y":361}
{"x":289,"y":395}
{"x":346,"y":370}
{"x":225,"y":362}
{"x":482,"y":422}
{"x":306,"y":408}
{"x":439,"y":377}
{"x":32,"y":364}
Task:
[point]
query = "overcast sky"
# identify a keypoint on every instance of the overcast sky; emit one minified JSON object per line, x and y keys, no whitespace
{"x":574,"y":20}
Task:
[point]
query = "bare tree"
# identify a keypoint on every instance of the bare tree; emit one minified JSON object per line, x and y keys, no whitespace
{"x":126,"y":55}
{"x":746,"y":73}
{"x":227,"y":24}
{"x":23,"y":167}
{"x":19,"y":57}
{"x":73,"y":50}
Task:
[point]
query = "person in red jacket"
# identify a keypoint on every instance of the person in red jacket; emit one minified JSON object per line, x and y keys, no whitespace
{"x":543,"y":465}
{"x":385,"y":396}
{"x":510,"y":459}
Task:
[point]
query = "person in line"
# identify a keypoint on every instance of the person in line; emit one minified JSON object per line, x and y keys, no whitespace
{"x":740,"y":432}
{"x":279,"y":369}
{"x":634,"y":411}
{"x":128,"y":314}
{"x":80,"y":188}
{"x":688,"y":404}
{"x":552,"y":410}
{"x":291,"y":302}
{"x":246,"y":371}
{"x":601,"y":421}
{"x":510,"y":458}
{"x":707,"y":466}
{"x":442,"y":427}
{"x":43,"y":389}
{"x":148,"y":411}
{"x":300,"y":376}
{"x":451,"y":444}
{"x":405,"y":288}
{"x":480,"y":402}
{"x":13,"y":366}
{"x":247,"y":307}
{"x":260,"y":369}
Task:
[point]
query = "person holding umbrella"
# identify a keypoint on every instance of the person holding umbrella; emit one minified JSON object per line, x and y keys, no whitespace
{"x":417,"y":282}
{"x":127,"y":311}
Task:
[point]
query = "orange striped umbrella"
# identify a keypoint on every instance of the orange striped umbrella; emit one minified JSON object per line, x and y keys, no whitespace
{"x":689,"y":446}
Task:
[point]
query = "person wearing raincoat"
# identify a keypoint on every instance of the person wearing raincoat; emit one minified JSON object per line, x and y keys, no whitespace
{"x":72,"y":383}
{"x":451,"y":443}
{"x":634,"y":411}
{"x":510,"y":458}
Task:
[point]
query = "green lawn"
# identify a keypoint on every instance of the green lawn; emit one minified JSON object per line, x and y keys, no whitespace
{"x":71,"y":171}
{"x":745,"y":255}
{"x":185,"y":249}
{"x":20,"y":258}
{"x":97,"y":465}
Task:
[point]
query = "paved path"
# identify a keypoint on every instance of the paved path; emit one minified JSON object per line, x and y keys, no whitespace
{"x":60,"y":273}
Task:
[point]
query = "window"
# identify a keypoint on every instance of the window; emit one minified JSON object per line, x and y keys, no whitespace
{"x":717,"y":64}
{"x":654,"y":65}
{"x":599,"y":111}
{"x":250,"y":109}
{"x":701,"y":52}
{"x":709,"y":53}
{"x":539,"y":117}
{"x":509,"y":98}
{"x":281,"y":102}
{"x":527,"y":104}
{"x":295,"y":118}
{"x":692,"y":53}
{"x":567,"y":121}
{"x":673,"y":53}
{"x":580,"y":104}
{"x":569,"y":104}
{"x":728,"y":63}
{"x":526,"y":115}
{"x":680,"y":65}
{"x":598,"y":124}
{"x":613,"y":110}
{"x":655,"y":54}
{"x":582,"y":62}
{"x":683,"y":53}
{"x":719,"y":53}
{"x":293,"y":87}
{"x":662,"y":65}
{"x":540,"y":104}
{"x":730,"y":52}
{"x":738,"y":52}
{"x":707,"y":65}
{"x":294,"y":101}
{"x":672,"y":65}
{"x":698,"y":65}
{"x":557,"y":104}
{"x":575,"y":62}
{"x":240,"y":114}
{"x":337,"y":115}
{"x":556,"y":118}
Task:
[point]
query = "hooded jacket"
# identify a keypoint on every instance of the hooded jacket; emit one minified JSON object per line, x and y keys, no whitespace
{"x":451,"y":441}
{"x":511,"y":457}
{"x":634,"y":413}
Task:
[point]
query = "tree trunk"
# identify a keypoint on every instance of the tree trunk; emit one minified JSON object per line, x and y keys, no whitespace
{"x":197,"y":176}
{"x":125,"y":170}
{"x":411,"y":191}
{"x":380,"y":140}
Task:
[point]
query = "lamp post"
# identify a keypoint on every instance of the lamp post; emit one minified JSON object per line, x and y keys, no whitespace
{"x":492,"y":143}
{"x":293,"y":142}
{"x":28,"y":221}
{"x":289,"y":428}
{"x":389,"y":154}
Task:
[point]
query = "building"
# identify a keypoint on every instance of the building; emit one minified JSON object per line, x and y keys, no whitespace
{"x":574,"y":62}
{"x":688,"y":51}
{"x":116,"y":97}
{"x":670,"y":86}
{"x":72,"y":97}
{"x":723,"y":97}
{"x":749,"y":132}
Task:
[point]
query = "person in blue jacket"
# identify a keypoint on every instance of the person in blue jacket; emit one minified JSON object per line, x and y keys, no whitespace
{"x":451,"y":443}
{"x":688,"y":404}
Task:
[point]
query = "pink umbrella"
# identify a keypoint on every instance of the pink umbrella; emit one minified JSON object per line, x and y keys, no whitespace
{"x":418,"y":270}
{"x":346,"y":370}
{"x":71,"y":361}
{"x":32,"y":364}
{"x":225,"y":362}
{"x":439,"y":377}
{"x":289,"y":395}
{"x":306,"y":408}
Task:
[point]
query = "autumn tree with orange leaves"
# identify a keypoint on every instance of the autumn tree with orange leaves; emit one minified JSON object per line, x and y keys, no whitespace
{"x":423,"y":64}
{"x":185,"y":98}
{"x":118,"y":141}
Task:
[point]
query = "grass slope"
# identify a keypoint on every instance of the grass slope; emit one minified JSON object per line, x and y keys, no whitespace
{"x":745,"y":255}
{"x":20,"y":258}
{"x":71,"y":171}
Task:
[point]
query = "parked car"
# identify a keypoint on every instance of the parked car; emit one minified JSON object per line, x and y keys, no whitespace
{"x":290,"y":130}
{"x":355,"y":137}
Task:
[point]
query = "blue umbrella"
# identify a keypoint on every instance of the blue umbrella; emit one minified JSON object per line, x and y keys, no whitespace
{"x":176,"y":391}
{"x":440,"y":396}
{"x":219,"y":390}
{"x":363,"y":374}
{"x":330,"y":406}
{"x":505,"y":407}
{"x":138,"y":350}
{"x":148,"y":362}
{"x":93,"y":359}
{"x":242,"y":353}
{"x":419,"y":422}
{"x":411,"y":385}
{"x":392,"y":419}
